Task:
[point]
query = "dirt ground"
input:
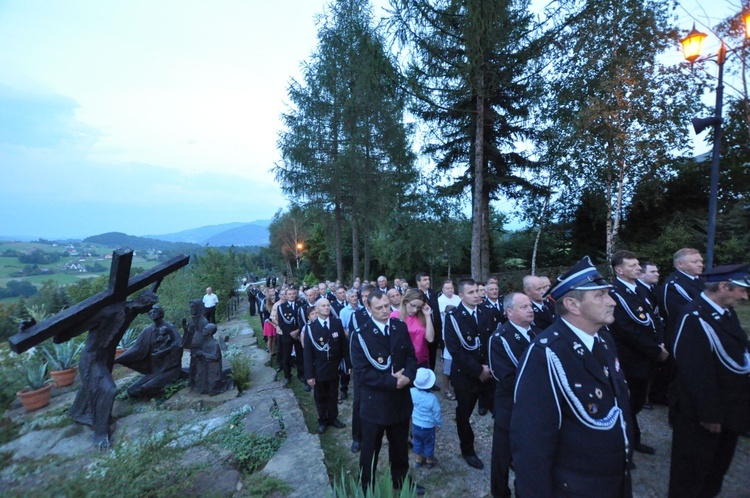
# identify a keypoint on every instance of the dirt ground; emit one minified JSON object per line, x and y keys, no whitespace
{"x":452,"y":477}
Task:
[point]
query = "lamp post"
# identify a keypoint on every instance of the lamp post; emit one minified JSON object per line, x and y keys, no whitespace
{"x":691,"y":48}
{"x":298,"y":254}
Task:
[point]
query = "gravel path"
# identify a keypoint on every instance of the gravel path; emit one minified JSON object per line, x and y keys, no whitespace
{"x":452,"y":477}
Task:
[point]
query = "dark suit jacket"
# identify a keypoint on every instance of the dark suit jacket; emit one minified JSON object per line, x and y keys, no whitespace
{"x":506,"y":346}
{"x":634,"y":331}
{"x":554,"y":453}
{"x":323,"y":365}
{"x":437,"y":320}
{"x":498,"y":309}
{"x":287,"y":318}
{"x":470,"y":353}
{"x":381,"y":402}
{"x":337,"y":307}
{"x":707,"y":390}
{"x":359,"y":318}
{"x":544,"y":315}
{"x":678,"y":291}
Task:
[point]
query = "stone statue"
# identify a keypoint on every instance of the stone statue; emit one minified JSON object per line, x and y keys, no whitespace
{"x":192,"y":338}
{"x":157,"y":353}
{"x":209,"y":378}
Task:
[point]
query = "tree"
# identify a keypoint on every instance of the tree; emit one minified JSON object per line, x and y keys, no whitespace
{"x":470,"y":79}
{"x":286,"y":231}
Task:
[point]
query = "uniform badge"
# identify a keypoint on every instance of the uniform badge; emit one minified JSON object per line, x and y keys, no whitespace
{"x":543,"y":341}
{"x":642,"y":316}
{"x":518,"y":336}
{"x":617,"y":365}
{"x":335,"y":335}
{"x":468,"y":338}
{"x":497,"y":334}
{"x":598,"y":393}
{"x":321,"y":340}
{"x":380,"y":359}
{"x":640,"y":308}
{"x":593,"y":408}
{"x":577,"y":385}
{"x":606,"y":371}
{"x":578,"y":348}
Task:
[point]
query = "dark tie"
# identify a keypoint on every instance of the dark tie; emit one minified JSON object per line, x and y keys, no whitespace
{"x":385,"y":331}
{"x":531,"y":333}
{"x":325,"y":325}
{"x":599,"y":352}
{"x":474,"y":314}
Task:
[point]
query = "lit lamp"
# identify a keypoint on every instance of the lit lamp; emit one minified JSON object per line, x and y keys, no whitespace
{"x":691,"y":49}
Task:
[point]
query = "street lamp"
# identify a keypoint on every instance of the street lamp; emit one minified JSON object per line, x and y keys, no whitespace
{"x":298,"y":254}
{"x":691,"y":48}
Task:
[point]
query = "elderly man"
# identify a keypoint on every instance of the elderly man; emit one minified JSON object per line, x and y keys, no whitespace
{"x":383,"y":284}
{"x":535,"y":288}
{"x":325,"y":347}
{"x":210,"y":300}
{"x":682,"y":286}
{"x":712,"y":384}
{"x":467,"y":330}
{"x":385,"y":364}
{"x":570,"y":425}
{"x":506,"y":346}
{"x":394,"y":296}
{"x":339,"y":300}
{"x":638,"y":334}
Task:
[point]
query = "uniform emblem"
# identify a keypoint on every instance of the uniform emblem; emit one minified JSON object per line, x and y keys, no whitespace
{"x":617,"y":365}
{"x":598,"y":393}
{"x":543,"y":341}
{"x":380,"y":359}
{"x":578,"y":348}
{"x":468,"y":338}
{"x":606,"y":371}
{"x":593,"y":408}
{"x":518,"y":336}
{"x":642,"y":316}
{"x":335,"y":335}
{"x":577,"y":385}
{"x":321,"y":339}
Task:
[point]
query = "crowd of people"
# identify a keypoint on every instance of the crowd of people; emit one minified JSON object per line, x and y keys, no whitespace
{"x":565,"y":369}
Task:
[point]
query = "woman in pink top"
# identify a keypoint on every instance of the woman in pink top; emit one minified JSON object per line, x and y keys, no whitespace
{"x":415,"y":312}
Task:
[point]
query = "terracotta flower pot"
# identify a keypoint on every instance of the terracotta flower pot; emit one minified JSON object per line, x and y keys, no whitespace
{"x":64,"y":378}
{"x":119,"y":351}
{"x":33,"y":400}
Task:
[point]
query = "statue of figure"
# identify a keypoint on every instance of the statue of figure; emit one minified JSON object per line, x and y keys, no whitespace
{"x":209,"y":378}
{"x":156,"y":353}
{"x":192,"y":338}
{"x":94,"y":400}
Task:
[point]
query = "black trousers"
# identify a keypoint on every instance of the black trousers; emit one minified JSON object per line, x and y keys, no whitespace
{"x":432,"y":348}
{"x":398,"y":450}
{"x":287,"y":346}
{"x":500,"y":466}
{"x":638,"y":391}
{"x":326,"y":400}
{"x":466,"y":401}
{"x":211,"y":314}
{"x":345,"y":377}
{"x":699,"y":459}
{"x":356,"y":421}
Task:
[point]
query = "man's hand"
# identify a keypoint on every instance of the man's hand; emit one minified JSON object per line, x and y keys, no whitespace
{"x":711,"y":427}
{"x":663,"y":355}
{"x":486,"y":374}
{"x":401,"y":379}
{"x":311,"y":382}
{"x":294,"y":334}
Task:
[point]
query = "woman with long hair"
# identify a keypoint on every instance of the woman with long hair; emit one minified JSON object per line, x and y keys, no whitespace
{"x":269,"y":329}
{"x":415,"y":313}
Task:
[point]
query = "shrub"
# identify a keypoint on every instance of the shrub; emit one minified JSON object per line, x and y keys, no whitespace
{"x":128,"y":338}
{"x":251,"y":450}
{"x":241,"y":366}
{"x":62,"y":356}
{"x":348,"y":486}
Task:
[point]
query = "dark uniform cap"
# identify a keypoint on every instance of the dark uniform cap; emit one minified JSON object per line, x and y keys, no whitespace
{"x":736,"y":274}
{"x":582,"y":276}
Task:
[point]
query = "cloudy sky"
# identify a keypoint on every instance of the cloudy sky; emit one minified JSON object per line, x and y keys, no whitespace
{"x":144,"y":116}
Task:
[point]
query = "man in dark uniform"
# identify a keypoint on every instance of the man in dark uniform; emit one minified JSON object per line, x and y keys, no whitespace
{"x":467,"y":331}
{"x":712,"y":385}
{"x":535,"y":288}
{"x":286,"y":314}
{"x":570,"y":425}
{"x":636,"y":331}
{"x":384,"y":364}
{"x":423,"y":283}
{"x":681,"y":287}
{"x":325,"y":348}
{"x":506,"y":347}
{"x":339,"y":300}
{"x":359,"y":318}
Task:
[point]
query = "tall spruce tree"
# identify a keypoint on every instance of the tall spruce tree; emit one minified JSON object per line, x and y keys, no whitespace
{"x":345,"y":145}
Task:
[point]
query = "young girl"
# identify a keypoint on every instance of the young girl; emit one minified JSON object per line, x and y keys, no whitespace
{"x":426,"y":418}
{"x":269,"y":329}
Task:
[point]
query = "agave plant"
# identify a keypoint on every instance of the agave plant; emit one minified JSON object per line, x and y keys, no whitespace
{"x":36,"y":374}
{"x":128,"y":339}
{"x":63,"y":356}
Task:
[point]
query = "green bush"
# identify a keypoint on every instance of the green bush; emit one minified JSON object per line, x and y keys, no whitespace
{"x":348,"y":486}
{"x":251,"y":450}
{"x":241,"y":366}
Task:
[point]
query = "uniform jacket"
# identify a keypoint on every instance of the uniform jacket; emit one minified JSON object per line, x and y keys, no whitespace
{"x":543,"y":315}
{"x":359,"y":318}
{"x":337,"y":307}
{"x":570,"y":420}
{"x":466,"y":341}
{"x":287,"y":318}
{"x":678,"y":290}
{"x":437,"y":319}
{"x":506,"y":347}
{"x":324,"y":350}
{"x":374,"y":358}
{"x":496,"y":309}
{"x":634,"y":331}
{"x":713,"y":367}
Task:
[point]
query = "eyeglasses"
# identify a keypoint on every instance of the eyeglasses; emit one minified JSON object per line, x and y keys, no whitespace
{"x":415,"y":306}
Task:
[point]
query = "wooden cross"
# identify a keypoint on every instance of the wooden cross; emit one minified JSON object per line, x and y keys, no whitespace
{"x":119,"y":288}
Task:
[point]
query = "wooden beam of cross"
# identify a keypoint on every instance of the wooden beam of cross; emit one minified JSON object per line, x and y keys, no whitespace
{"x":119,"y":288}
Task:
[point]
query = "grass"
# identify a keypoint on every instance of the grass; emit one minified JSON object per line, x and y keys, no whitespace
{"x":260,"y":485}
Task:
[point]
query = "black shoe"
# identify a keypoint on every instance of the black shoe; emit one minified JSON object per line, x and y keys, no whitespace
{"x":474,"y":461}
{"x":279,"y":370}
{"x":435,"y":388}
{"x":355,"y":446}
{"x":645,"y":449}
{"x":647,"y":406}
{"x":287,"y":382}
{"x":419,"y":489}
{"x":482,"y":412}
{"x":343,"y":395}
{"x":308,"y":388}
{"x":322,"y":428}
{"x":337,"y":424}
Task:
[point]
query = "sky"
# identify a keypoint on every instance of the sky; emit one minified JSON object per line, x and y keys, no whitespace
{"x":147,"y":117}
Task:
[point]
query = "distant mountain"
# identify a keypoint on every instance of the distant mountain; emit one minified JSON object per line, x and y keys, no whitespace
{"x":119,"y":239}
{"x":254,"y":233}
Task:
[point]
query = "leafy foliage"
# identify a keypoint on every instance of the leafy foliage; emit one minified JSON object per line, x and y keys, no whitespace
{"x":241,"y":366}
{"x":349,"y":486}
{"x":62,"y":356}
{"x":251,"y":450}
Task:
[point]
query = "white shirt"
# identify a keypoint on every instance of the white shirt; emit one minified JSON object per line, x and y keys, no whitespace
{"x":444,"y":302}
{"x":522,"y":330}
{"x":587,"y":339}
{"x":210,"y":300}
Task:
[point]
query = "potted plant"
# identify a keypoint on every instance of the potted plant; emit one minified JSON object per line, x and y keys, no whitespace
{"x":128,"y":341}
{"x":37,"y":392}
{"x":63,"y":359}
